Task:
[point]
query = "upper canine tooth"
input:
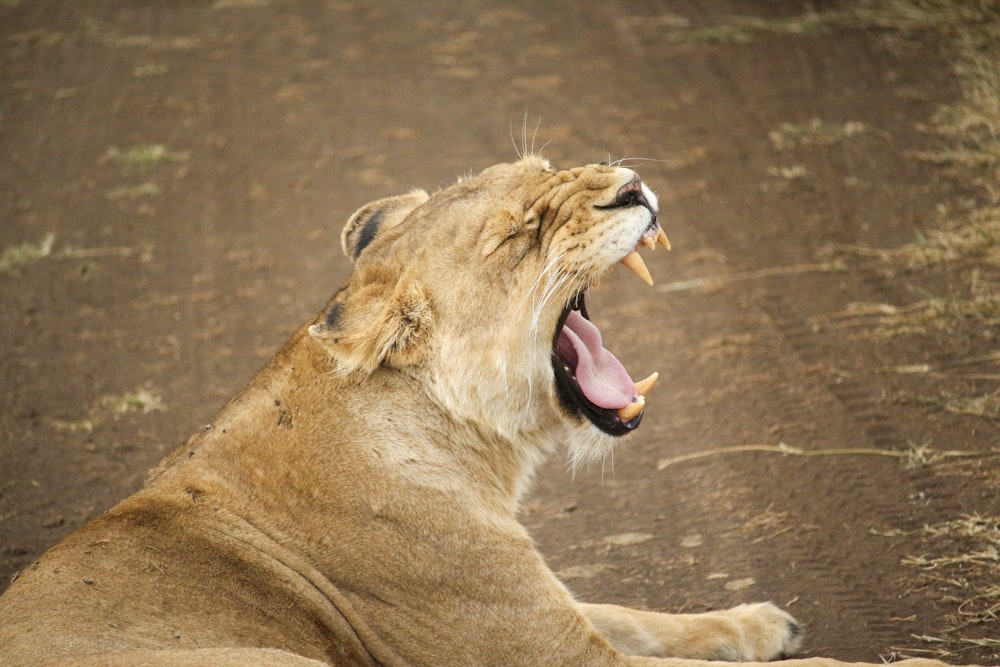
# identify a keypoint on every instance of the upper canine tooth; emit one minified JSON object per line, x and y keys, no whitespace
{"x":632,"y":409}
{"x":642,"y":387}
{"x":661,"y":236}
{"x":649,"y":242}
{"x":634,"y":262}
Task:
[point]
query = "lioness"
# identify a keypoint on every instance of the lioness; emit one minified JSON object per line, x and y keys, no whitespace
{"x":356,"y":503}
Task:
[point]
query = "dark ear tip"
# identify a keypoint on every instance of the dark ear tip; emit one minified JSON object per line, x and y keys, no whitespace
{"x":364,"y":235}
{"x":369,"y":220}
{"x":333,"y":316}
{"x":361,"y":230}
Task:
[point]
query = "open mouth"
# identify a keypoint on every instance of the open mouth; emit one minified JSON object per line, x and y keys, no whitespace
{"x":590,"y":381}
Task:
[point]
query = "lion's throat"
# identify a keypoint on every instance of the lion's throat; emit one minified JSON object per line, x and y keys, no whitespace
{"x":602,"y":378}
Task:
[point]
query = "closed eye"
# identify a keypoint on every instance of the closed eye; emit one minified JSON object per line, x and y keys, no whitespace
{"x":628,"y":199}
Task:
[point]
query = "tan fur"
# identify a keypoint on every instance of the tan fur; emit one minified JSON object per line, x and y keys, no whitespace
{"x":356,"y":503}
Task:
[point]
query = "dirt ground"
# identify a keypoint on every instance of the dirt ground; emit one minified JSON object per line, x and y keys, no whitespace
{"x":175,"y":177}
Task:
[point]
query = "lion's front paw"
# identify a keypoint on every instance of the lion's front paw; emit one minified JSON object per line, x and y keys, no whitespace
{"x":765,"y":632}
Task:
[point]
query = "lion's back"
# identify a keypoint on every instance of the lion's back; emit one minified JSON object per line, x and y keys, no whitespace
{"x":140,"y":583}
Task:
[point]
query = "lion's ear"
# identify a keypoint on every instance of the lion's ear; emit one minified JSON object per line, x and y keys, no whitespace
{"x":372,"y":219}
{"x":378,"y":323}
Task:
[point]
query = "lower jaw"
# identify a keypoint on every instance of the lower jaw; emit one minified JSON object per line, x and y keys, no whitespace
{"x":573,"y":401}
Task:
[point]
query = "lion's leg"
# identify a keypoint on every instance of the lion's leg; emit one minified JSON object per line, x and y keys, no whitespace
{"x":749,"y":632}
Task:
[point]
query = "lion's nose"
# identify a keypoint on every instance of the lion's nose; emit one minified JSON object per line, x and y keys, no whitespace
{"x":631,"y":194}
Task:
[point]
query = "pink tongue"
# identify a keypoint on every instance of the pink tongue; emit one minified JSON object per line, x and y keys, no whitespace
{"x":602,"y":378}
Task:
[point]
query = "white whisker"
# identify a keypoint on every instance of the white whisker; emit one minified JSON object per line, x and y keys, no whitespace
{"x":531,"y":393}
{"x":541,"y":294}
{"x":535,"y":134}
{"x":524,"y":134}
{"x":510,"y":131}
{"x":633,"y":162}
{"x":553,"y":286}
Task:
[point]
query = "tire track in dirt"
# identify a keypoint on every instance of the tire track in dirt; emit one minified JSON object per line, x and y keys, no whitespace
{"x":859,"y":399}
{"x":867,"y":397}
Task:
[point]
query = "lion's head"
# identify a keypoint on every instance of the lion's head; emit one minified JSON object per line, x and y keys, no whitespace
{"x":479,"y":291}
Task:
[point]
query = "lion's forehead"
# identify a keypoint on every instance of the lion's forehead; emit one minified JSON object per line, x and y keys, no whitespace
{"x":573,"y":189}
{"x":588,"y":178}
{"x":535,"y":185}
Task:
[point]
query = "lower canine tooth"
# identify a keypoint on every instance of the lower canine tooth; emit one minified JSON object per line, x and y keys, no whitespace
{"x":634,"y":262}
{"x":642,"y":387}
{"x":630,"y":411}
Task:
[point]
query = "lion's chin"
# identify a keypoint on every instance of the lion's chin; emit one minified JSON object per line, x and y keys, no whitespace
{"x":588,"y":445}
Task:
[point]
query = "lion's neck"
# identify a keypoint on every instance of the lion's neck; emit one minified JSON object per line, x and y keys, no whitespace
{"x":319,"y":436}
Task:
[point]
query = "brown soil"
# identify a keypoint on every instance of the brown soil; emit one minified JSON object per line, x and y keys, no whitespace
{"x":176,"y":274}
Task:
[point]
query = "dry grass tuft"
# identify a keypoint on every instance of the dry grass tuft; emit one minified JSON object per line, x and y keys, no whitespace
{"x":961,"y":558}
{"x":15,"y":257}
{"x":987,"y":406}
{"x":141,"y":400}
{"x":942,"y":315}
{"x":143,"y":155}
{"x":971,"y":240}
{"x":734,"y":29}
{"x":815,"y":132}
{"x":20,"y":256}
